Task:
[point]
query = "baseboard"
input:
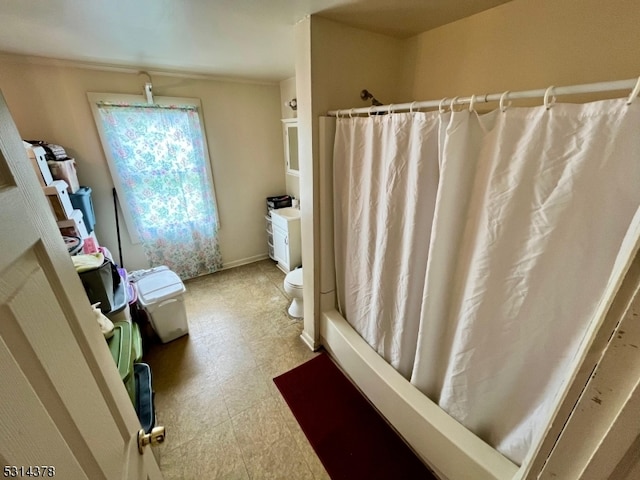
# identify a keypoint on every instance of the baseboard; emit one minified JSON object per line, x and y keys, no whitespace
{"x":244,"y":261}
{"x":309,"y":342}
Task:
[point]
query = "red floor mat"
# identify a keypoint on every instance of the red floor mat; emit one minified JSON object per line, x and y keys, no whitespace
{"x":349,"y":436}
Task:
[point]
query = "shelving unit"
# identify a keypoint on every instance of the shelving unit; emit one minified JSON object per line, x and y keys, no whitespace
{"x":269,"y":229}
{"x":70,"y":204}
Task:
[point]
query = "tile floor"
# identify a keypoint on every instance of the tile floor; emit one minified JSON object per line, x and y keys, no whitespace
{"x":224,"y":416}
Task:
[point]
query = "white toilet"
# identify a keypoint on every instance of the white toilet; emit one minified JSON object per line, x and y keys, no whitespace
{"x":293,"y":287}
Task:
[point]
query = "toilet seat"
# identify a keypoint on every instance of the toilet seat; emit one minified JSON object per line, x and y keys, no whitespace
{"x":294,"y":278}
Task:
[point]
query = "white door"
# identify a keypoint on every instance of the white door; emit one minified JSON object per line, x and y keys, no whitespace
{"x":63,"y":408}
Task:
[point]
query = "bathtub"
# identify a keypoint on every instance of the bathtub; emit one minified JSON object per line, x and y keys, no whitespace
{"x":448,"y":448}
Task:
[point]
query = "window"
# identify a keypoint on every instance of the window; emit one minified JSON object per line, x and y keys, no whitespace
{"x":158,"y":160}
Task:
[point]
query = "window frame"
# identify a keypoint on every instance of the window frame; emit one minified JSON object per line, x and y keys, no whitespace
{"x":96,"y":98}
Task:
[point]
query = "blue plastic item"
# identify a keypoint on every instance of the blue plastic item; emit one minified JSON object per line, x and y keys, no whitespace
{"x":81,"y":200}
{"x":144,"y":396}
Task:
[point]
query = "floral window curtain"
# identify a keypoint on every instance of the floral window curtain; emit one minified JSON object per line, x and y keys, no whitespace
{"x":158,"y":156}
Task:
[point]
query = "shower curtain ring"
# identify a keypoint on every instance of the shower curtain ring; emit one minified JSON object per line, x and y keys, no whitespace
{"x":634,"y":92}
{"x":391,"y":108}
{"x":472,"y":103}
{"x":453,"y":102}
{"x":549,"y":91}
{"x":371,"y":110}
{"x":441,"y":106}
{"x":411,"y":107}
{"x":351,"y":113}
{"x":503,"y":97}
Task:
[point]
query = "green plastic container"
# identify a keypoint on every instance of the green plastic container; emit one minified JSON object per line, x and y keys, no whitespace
{"x":121,"y":346}
{"x":137,"y":343}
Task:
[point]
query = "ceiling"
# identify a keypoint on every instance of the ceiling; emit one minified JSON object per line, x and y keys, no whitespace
{"x":242,"y":39}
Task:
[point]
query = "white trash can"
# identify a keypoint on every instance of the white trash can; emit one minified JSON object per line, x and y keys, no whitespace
{"x":160,"y":294}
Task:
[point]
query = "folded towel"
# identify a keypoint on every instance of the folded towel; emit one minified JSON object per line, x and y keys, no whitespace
{"x":84,"y":262}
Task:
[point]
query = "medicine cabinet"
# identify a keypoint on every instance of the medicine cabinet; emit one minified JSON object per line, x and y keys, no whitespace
{"x":290,"y":126}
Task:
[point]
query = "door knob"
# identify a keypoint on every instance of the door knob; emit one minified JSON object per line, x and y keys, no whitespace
{"x":155,"y":437}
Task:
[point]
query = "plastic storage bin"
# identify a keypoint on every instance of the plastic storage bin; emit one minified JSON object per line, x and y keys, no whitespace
{"x":82,"y":201}
{"x":104,"y":285}
{"x":123,"y":311}
{"x":160,"y":294}
{"x":121,"y":347}
{"x":281,"y":201}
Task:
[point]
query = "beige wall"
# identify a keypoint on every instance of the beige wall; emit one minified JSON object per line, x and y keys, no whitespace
{"x":334,"y":63}
{"x":242,"y":123}
{"x":288,"y":92}
{"x":346,"y":60}
{"x":525,"y":44}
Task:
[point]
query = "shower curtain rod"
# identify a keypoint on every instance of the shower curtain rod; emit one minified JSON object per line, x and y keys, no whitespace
{"x":633,"y":83}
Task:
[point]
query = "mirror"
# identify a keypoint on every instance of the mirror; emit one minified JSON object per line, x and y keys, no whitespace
{"x":291,"y":145}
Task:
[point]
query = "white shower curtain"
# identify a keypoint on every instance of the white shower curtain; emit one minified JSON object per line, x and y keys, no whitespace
{"x":384,"y":215}
{"x":526,"y":209}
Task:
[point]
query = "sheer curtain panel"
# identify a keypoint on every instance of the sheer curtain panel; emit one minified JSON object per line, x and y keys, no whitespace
{"x":159,"y":164}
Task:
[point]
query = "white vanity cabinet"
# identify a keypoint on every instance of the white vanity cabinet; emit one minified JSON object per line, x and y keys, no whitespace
{"x":285,"y":225}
